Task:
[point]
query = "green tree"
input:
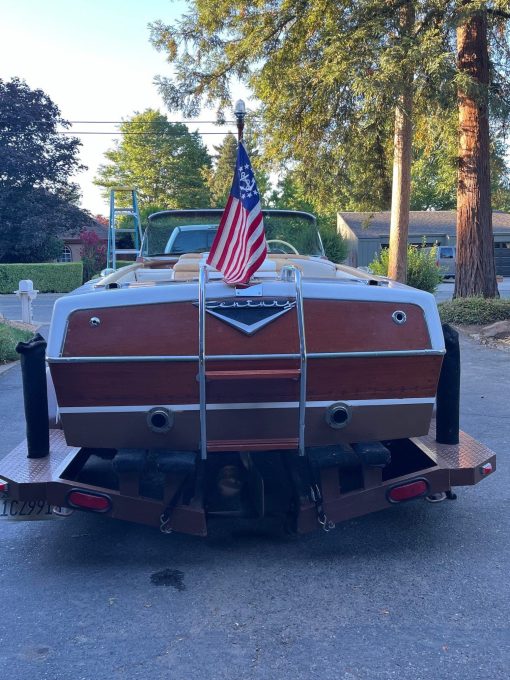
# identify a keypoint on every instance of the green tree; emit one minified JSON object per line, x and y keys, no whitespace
{"x":435,"y":164}
{"x":326,"y":72}
{"x":165,"y":162}
{"x":220,"y":177}
{"x":37,"y":198}
{"x":290,"y":195}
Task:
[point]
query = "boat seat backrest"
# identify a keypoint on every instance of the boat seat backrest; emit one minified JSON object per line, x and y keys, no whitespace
{"x":310,"y":267}
{"x":188,"y":266}
{"x":155,"y":275}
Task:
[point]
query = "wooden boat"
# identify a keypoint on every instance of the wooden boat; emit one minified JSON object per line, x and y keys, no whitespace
{"x":162,"y":354}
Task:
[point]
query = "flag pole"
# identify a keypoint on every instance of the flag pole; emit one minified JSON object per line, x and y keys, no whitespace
{"x":240,"y":113}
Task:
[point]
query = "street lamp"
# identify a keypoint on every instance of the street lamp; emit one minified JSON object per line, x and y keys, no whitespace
{"x":240,"y":113}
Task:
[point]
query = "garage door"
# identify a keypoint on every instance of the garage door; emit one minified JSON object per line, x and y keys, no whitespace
{"x":502,"y":258}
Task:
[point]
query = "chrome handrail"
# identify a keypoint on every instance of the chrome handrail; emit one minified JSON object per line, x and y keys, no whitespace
{"x":202,"y":280}
{"x":287,"y":272}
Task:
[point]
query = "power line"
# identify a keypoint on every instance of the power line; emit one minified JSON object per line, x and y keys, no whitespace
{"x":113,"y":132}
{"x":150,"y":134}
{"x":148,"y":122}
{"x":137,"y":122}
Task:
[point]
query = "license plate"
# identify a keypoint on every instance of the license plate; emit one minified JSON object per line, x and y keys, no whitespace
{"x":26,"y":510}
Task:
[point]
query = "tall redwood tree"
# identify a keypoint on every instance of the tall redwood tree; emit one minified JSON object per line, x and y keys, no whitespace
{"x":476,"y":273}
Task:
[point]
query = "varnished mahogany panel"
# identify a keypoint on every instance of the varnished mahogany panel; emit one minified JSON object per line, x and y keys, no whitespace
{"x":127,"y":383}
{"x":353,"y":326}
{"x":172,"y":329}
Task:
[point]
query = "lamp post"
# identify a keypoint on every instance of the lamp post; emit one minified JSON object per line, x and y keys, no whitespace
{"x":240,"y":113}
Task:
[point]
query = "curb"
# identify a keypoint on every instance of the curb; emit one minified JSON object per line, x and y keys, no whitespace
{"x":5,"y":367}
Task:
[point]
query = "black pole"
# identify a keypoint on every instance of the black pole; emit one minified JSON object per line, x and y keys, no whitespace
{"x":35,"y":396}
{"x":240,"y":113}
{"x":240,"y":127}
{"x":448,"y":390}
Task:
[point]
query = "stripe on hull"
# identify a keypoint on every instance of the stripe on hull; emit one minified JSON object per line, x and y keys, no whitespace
{"x":246,"y":406}
{"x":128,"y":429}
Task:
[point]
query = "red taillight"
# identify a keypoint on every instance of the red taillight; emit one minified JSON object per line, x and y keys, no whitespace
{"x":4,"y":486}
{"x":486,"y":469}
{"x":89,"y":501}
{"x":406,"y":492}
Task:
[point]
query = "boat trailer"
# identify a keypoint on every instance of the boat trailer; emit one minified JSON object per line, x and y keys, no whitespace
{"x":181,"y":491}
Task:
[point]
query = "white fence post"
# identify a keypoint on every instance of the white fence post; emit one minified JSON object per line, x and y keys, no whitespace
{"x":26,"y":294}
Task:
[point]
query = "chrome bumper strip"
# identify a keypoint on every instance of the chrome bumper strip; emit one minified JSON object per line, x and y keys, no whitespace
{"x":244,"y":357}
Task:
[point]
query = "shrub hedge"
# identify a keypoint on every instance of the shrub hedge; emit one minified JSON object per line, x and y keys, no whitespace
{"x":48,"y":277}
{"x":422,"y":270}
{"x":474,"y":311}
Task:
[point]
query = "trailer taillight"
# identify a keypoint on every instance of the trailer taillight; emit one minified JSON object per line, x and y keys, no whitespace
{"x":486,"y":469}
{"x":84,"y":500}
{"x":406,"y":492}
{"x":4,"y":486}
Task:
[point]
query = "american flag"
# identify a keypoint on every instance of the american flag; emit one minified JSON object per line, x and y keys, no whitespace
{"x":239,"y":247}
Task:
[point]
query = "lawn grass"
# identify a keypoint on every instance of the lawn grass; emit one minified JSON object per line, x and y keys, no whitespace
{"x":474,"y":311}
{"x":9,"y":338}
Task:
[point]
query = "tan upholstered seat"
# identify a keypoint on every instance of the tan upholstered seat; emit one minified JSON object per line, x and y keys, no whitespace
{"x":144,"y":275}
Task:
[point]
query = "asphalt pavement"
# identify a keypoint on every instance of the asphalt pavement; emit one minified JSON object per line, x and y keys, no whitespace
{"x":417,"y":591}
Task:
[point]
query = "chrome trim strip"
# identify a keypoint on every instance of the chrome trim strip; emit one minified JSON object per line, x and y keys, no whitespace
{"x":380,"y":353}
{"x":176,"y":408}
{"x":302,"y":352}
{"x":201,"y":360}
{"x":244,"y":357}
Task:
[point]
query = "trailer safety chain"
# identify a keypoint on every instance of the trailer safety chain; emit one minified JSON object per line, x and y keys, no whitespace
{"x":166,"y":516}
{"x":316,"y":496}
{"x":164,"y":526}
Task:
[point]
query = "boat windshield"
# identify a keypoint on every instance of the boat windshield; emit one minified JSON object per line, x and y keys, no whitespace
{"x":176,"y":232}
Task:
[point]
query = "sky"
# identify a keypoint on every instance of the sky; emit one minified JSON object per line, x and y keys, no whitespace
{"x":94,"y":60}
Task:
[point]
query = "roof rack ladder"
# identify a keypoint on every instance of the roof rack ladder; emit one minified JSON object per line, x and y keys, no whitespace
{"x":113,"y":231}
{"x":290,"y":274}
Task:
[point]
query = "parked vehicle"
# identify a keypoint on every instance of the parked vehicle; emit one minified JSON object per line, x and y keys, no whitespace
{"x":446,"y":259}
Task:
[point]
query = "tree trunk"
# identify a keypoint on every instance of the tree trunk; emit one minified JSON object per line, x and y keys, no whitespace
{"x":401,"y":188}
{"x":475,"y":271}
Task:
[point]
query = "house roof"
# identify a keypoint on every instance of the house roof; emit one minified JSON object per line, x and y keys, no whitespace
{"x":421,"y":222}
{"x":100,"y":229}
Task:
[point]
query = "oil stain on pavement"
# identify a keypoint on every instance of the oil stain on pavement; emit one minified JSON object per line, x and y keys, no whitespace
{"x":169,"y":577}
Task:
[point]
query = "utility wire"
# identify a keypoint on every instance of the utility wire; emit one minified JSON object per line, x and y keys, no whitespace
{"x":137,"y":122}
{"x":114,"y":132}
{"x":147,"y":122}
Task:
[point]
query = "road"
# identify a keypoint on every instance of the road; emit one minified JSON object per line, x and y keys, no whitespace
{"x":42,"y":306}
{"x":418,"y":591}
{"x":445,"y":289}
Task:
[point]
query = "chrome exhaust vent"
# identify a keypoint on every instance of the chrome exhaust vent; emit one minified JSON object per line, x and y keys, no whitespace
{"x":338,"y":415}
{"x":160,"y":419}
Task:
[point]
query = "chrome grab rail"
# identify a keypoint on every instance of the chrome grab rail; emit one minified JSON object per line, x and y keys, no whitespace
{"x":202,"y":280}
{"x":288,"y":272}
